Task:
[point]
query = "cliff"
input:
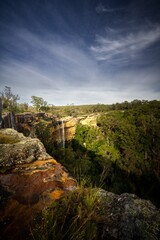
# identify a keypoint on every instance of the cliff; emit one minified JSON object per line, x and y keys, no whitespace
{"x":61,"y":127}
{"x":30,"y":180}
{"x":64,"y":129}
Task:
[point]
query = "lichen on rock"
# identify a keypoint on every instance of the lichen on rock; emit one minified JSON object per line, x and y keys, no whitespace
{"x":129,"y":217}
{"x":21,"y":150}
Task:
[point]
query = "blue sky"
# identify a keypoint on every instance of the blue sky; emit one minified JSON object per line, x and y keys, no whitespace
{"x":81,"y":52}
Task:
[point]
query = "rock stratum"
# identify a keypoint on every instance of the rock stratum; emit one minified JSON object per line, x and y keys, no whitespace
{"x":30,"y":180}
{"x":62,"y":128}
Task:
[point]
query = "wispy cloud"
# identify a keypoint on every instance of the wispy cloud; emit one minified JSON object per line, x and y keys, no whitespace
{"x":51,"y":54}
{"x":102,"y":9}
{"x":125,"y":48}
{"x":50,"y":65}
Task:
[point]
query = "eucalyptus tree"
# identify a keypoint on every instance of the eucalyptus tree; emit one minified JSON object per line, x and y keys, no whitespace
{"x":39,"y":103}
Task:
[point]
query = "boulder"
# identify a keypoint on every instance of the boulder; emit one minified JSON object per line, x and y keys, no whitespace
{"x":17,"y":149}
{"x":129,"y":217}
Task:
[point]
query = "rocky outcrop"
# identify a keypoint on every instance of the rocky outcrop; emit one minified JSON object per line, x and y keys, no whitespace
{"x":67,"y":126}
{"x":26,"y":123}
{"x":22,"y":149}
{"x":129,"y":217}
{"x":90,"y":120}
{"x":30,"y":180}
{"x":98,"y":214}
{"x":64,"y":129}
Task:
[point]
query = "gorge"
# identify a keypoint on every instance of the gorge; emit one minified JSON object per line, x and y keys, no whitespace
{"x":107,"y":151}
{"x":30,"y":180}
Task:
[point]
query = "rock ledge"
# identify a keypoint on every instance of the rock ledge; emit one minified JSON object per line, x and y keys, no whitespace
{"x":30,"y":179}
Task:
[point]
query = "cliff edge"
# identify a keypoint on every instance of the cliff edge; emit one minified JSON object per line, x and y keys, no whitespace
{"x":30,"y":179}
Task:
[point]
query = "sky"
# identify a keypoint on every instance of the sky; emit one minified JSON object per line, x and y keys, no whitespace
{"x":80,"y":51}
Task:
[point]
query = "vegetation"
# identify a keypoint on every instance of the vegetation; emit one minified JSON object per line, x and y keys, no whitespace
{"x":39,"y":103}
{"x":122,"y":154}
{"x":9,"y":100}
{"x":76,"y":216}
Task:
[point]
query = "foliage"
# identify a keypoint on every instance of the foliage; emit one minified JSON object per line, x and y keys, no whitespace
{"x":78,"y":110}
{"x":9,"y":100}
{"x":135,"y":135}
{"x":22,"y":107}
{"x":121,"y":154}
{"x":44,"y":133}
{"x":77,"y":216}
{"x":39,"y":103}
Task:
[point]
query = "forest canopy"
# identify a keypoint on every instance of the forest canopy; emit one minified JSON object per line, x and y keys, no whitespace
{"x":121,"y":154}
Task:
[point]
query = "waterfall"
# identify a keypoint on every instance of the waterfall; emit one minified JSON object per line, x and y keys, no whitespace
{"x":9,"y":120}
{"x":63,"y":135}
{"x":0,"y":112}
{"x":59,"y":133}
{"x":12,"y":120}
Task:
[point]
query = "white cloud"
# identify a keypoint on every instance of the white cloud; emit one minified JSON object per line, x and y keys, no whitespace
{"x":27,"y":80}
{"x":50,"y":56}
{"x":64,"y":72}
{"x":124,"y":48}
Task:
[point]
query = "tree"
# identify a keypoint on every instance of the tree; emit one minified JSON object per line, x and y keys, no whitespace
{"x":9,"y":100}
{"x":39,"y":103}
{"x":9,"y":103}
{"x":23,"y":107}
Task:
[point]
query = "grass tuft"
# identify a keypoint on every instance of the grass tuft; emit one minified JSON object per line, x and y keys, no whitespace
{"x":76,"y":216}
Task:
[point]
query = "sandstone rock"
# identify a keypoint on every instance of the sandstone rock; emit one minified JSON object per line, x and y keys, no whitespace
{"x":90,"y":120}
{"x":69,"y":125}
{"x":30,"y":180}
{"x":68,"y":128}
{"x":20,"y":150}
{"x":26,"y":123}
{"x":11,"y":132}
{"x":129,"y":217}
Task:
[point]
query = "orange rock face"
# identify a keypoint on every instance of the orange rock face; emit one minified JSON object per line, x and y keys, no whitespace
{"x":26,"y":189}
